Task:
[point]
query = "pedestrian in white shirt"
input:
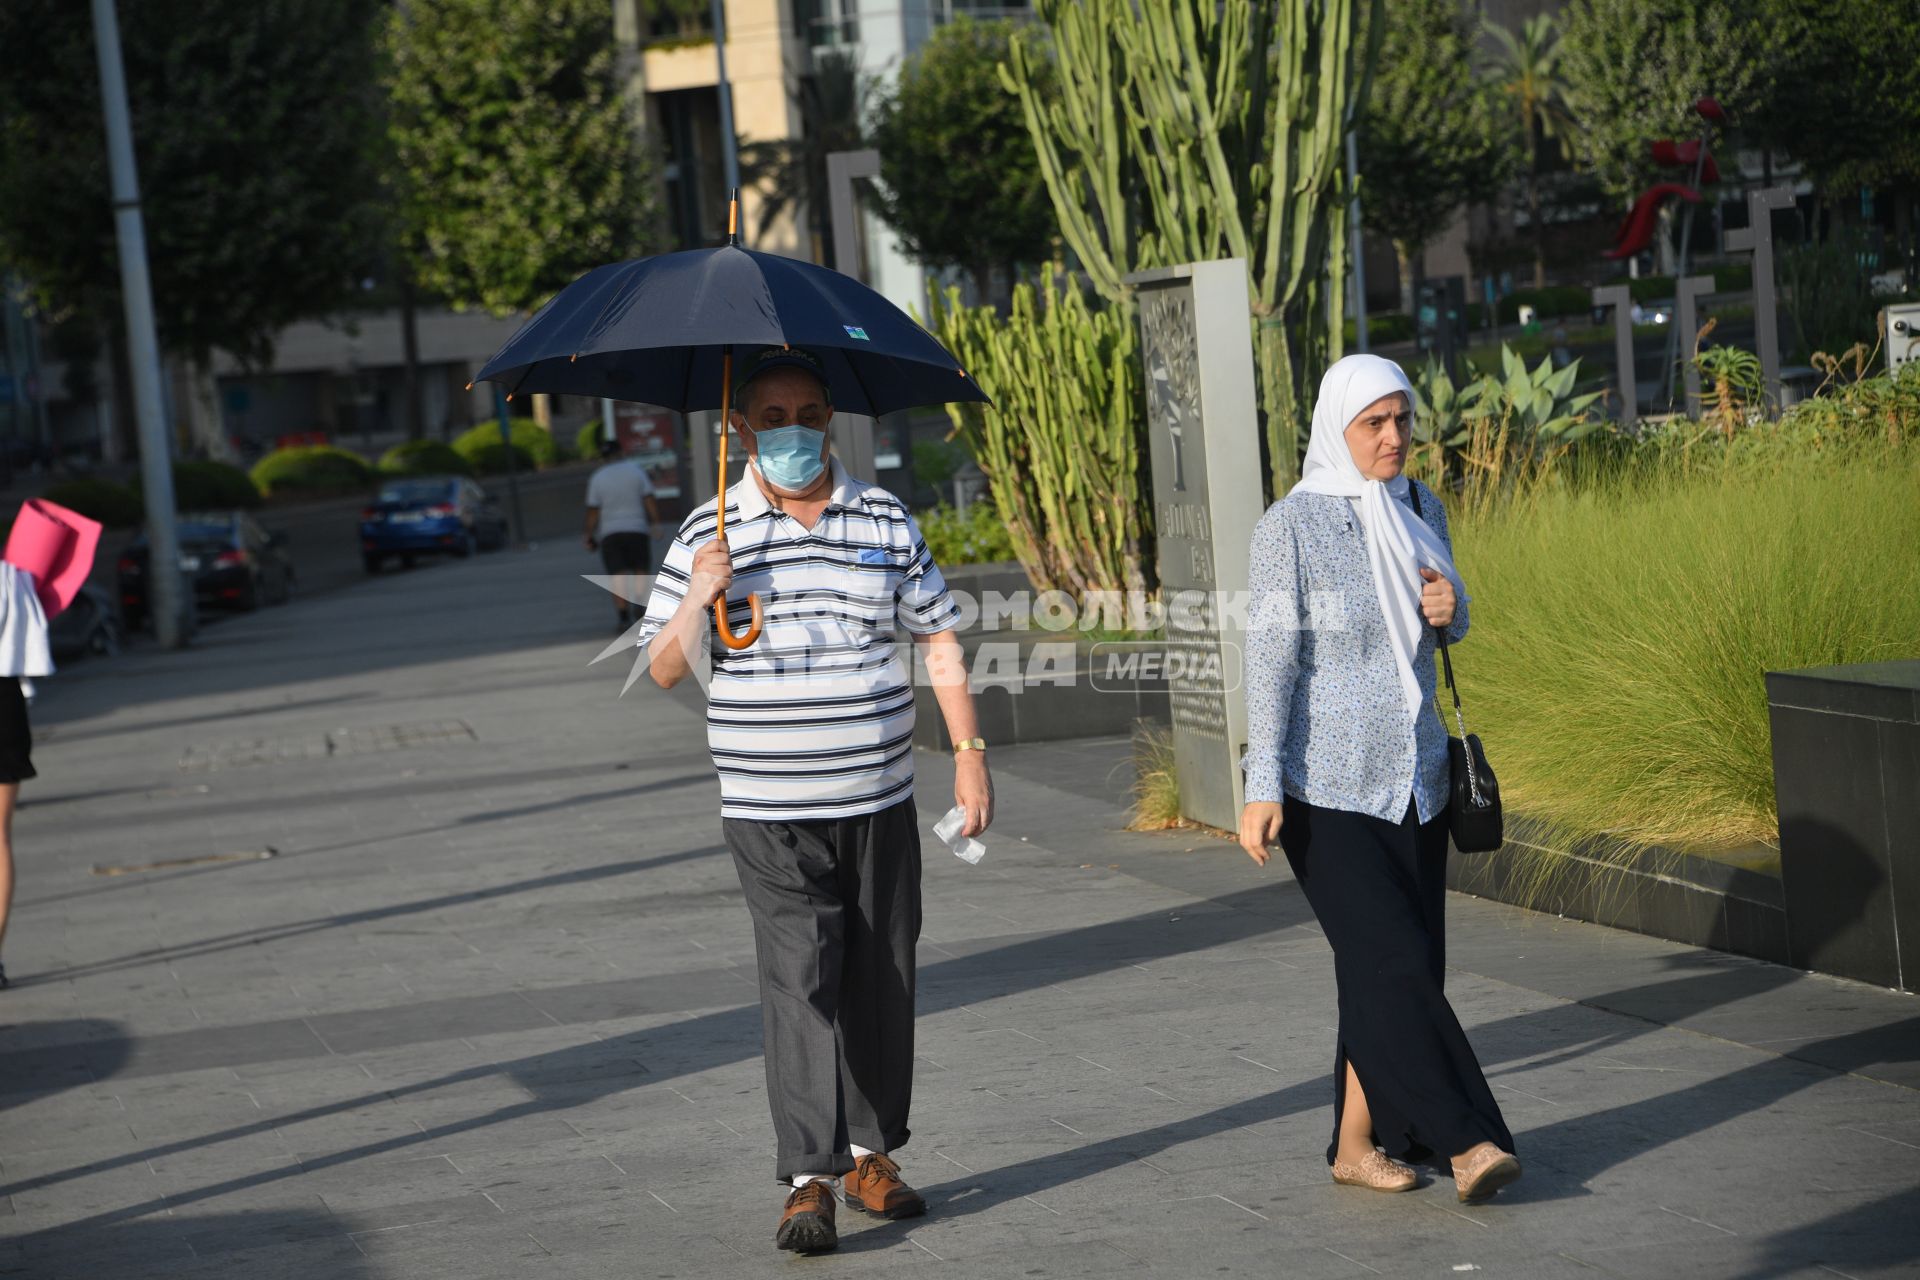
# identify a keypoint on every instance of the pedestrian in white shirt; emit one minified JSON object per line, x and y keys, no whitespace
{"x":621,"y":513}
{"x":24,"y":654}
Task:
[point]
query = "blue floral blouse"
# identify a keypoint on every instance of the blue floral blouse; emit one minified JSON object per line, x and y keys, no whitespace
{"x":1327,"y":721}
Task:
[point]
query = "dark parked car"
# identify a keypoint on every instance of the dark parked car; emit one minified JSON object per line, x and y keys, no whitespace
{"x":430,"y":515}
{"x":234,"y":564}
{"x":87,"y":626}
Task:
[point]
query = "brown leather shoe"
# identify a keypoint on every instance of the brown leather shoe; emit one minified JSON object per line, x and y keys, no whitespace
{"x":806,"y":1225}
{"x":1484,"y":1171}
{"x":874,"y":1187}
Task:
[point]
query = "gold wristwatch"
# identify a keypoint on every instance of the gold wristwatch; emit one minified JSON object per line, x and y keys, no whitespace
{"x":970,"y":744}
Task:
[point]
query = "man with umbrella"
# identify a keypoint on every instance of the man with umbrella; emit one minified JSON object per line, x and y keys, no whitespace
{"x":810,"y":574}
{"x":811,"y":731}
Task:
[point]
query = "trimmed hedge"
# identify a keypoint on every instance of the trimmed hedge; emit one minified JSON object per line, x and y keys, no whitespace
{"x":209,"y":486}
{"x":115,"y":505}
{"x":586,"y":441}
{"x":1550,"y":303}
{"x":533,"y":447}
{"x":312,"y":469}
{"x":424,"y":458}
{"x":978,"y":537}
{"x":1729,"y":278}
{"x":1384,"y":326}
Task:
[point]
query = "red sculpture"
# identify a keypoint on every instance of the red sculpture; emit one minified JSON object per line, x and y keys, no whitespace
{"x":1636,"y":232}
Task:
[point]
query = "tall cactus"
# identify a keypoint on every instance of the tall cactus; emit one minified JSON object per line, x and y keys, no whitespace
{"x":1187,"y":130}
{"x":1061,"y":444}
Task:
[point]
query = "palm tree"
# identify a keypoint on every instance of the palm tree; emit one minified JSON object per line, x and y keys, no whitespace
{"x":1526,"y":68}
{"x":833,"y":105}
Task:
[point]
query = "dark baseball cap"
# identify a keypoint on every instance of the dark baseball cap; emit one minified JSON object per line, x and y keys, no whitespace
{"x":771,"y":358}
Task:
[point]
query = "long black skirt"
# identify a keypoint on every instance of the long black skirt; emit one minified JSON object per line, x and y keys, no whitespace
{"x":1379,"y":891}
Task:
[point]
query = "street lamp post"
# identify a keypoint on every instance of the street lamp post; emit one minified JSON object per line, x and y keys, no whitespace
{"x":166,"y":598}
{"x":729,"y":144}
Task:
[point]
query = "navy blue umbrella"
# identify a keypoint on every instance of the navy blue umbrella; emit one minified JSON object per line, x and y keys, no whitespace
{"x":665,"y":331}
{"x":659,"y":330}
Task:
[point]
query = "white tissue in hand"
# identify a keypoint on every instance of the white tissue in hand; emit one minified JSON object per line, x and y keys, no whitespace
{"x":965,"y":848}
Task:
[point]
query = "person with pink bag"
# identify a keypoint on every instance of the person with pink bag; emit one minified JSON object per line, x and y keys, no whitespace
{"x":48,"y":556}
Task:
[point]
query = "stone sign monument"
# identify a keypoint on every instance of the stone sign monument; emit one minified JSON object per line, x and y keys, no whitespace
{"x":1205,"y":439}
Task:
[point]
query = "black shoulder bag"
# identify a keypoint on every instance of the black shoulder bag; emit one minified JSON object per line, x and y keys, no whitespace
{"x":1473,"y":811}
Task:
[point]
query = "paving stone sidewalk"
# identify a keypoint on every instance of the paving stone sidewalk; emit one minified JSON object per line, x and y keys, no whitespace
{"x":377,"y":938}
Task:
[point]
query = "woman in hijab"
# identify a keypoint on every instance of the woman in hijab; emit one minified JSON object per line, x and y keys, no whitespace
{"x":1346,"y":767}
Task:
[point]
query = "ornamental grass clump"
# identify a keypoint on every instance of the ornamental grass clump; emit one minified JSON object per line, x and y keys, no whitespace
{"x":1622,"y":629}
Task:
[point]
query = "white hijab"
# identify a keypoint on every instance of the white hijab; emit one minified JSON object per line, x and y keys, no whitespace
{"x":1399,"y":543}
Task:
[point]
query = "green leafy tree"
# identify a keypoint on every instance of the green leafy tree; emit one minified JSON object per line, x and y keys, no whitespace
{"x":1633,"y":71}
{"x":255,"y":126}
{"x":517,"y":162}
{"x":1433,"y":137}
{"x":1525,"y":70}
{"x":963,"y":188}
{"x":1839,"y":91}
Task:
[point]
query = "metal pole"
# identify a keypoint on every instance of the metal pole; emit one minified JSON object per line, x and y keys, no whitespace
{"x":166,"y":598}
{"x":852,"y":432}
{"x":1674,"y":337}
{"x":728,"y":143}
{"x":1359,"y":249}
{"x":513,"y":465}
{"x":1757,"y":236}
{"x":1620,"y":298}
{"x":1686,"y":316}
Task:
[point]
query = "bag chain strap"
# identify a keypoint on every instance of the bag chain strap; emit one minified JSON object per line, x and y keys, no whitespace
{"x":1459,"y":716}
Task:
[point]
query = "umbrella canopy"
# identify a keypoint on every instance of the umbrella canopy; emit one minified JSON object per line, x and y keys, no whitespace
{"x":656,"y":330}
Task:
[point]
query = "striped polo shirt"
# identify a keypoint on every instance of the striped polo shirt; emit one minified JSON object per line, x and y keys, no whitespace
{"x":815,"y":718}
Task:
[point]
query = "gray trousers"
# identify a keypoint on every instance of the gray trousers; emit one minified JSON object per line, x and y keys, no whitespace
{"x":836,"y":915}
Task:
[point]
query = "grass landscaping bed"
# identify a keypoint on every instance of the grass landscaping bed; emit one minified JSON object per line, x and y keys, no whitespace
{"x":1622,"y":630}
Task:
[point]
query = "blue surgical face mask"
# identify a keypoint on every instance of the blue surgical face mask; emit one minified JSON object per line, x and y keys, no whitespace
{"x":791,"y":457}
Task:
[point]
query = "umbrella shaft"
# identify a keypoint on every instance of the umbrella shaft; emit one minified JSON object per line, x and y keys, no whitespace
{"x":726,"y":424}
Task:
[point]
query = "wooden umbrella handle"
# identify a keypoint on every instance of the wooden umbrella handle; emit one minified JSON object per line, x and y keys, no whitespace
{"x":727,"y":637}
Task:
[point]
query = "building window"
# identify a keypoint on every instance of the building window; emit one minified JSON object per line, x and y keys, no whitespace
{"x":665,"y":21}
{"x":827,"y":24}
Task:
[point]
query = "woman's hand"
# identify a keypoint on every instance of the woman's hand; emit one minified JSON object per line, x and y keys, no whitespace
{"x":1437,"y":600}
{"x":1259,"y":827}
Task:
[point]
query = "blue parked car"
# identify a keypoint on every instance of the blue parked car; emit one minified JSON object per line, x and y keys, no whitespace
{"x":429,"y":515}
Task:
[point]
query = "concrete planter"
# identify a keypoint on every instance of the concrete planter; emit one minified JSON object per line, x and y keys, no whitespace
{"x":1846,"y":768}
{"x":1846,"y":896}
{"x":1039,"y":686}
{"x":1731,"y":904}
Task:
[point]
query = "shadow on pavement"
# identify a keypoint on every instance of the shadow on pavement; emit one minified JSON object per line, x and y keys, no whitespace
{"x":213,"y":717}
{"x":492,"y":606}
{"x":106,"y":1041}
{"x":412,"y":788}
{"x":285,"y":1244}
{"x":1860,"y":1235}
{"x":371,"y":915}
{"x":1568,"y":1154}
{"x":582,"y":1073}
